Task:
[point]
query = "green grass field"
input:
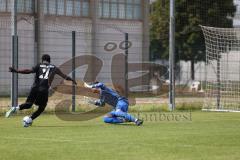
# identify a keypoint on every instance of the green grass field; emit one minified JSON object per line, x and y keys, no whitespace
{"x":208,"y":136}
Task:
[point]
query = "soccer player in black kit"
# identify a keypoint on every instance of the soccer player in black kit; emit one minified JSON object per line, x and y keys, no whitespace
{"x":44,"y":75}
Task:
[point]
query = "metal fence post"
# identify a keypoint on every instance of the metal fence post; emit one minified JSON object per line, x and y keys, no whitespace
{"x":172,"y":56}
{"x":73,"y":71}
{"x":126,"y":65}
{"x":14,"y":85}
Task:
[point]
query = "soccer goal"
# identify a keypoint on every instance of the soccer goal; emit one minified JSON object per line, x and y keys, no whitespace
{"x":222,"y":92}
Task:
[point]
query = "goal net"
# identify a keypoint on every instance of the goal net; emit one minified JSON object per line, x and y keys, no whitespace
{"x":222,"y":92}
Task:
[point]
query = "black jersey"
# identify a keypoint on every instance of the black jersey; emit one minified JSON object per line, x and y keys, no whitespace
{"x":44,"y":71}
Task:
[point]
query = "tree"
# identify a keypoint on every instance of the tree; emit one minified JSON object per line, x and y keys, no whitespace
{"x":189,"y":15}
{"x":159,"y":31}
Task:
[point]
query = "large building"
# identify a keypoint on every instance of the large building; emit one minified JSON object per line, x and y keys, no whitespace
{"x":45,"y":26}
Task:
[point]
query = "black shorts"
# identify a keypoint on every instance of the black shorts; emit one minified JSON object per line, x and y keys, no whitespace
{"x":38,"y":97}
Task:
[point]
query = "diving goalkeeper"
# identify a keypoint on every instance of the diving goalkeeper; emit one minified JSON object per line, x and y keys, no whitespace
{"x":119,"y":114}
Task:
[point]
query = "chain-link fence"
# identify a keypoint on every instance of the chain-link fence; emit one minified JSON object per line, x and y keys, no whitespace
{"x":192,"y":71}
{"x":100,"y":26}
{"x":50,"y":32}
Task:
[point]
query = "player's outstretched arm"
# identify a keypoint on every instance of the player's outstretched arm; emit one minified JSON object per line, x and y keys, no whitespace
{"x":87,"y":85}
{"x":94,"y":85}
{"x":98,"y":103}
{"x":22,"y":71}
{"x":64,"y":76}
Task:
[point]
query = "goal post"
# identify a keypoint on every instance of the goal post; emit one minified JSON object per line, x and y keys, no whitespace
{"x":222,"y":92}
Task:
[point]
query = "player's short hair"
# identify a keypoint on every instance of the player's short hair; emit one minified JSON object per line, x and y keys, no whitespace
{"x":46,"y":57}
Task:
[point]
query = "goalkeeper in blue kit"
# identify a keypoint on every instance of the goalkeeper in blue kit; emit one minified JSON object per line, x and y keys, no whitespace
{"x":120,"y":104}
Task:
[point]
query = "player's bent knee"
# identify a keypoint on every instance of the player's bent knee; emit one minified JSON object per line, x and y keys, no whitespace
{"x":41,"y":108}
{"x":107,"y":119}
{"x":26,"y":105}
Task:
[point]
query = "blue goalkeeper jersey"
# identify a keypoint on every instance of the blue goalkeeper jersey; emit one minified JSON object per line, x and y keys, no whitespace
{"x":108,"y":95}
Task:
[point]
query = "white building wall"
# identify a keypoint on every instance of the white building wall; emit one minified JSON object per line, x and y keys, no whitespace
{"x":25,"y":52}
{"x":56,"y":40}
{"x":113,"y":31}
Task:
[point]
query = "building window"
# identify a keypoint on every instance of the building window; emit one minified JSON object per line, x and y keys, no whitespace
{"x":106,"y":8}
{"x":85,"y":7}
{"x":23,"y":6}
{"x":67,"y":7}
{"x":114,"y":9}
{"x":52,"y":7}
{"x":60,"y":7}
{"x":120,"y":9}
{"x":77,"y":8}
{"x":3,"y":6}
{"x":137,"y":9}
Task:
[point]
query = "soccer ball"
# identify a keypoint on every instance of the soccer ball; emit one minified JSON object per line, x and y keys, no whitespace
{"x":27,"y":121}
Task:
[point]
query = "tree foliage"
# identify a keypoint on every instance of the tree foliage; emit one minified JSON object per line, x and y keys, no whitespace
{"x":189,"y":15}
{"x":189,"y":44}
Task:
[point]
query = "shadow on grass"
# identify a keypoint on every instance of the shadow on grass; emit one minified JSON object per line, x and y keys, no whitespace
{"x":60,"y":126}
{"x":123,"y":124}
